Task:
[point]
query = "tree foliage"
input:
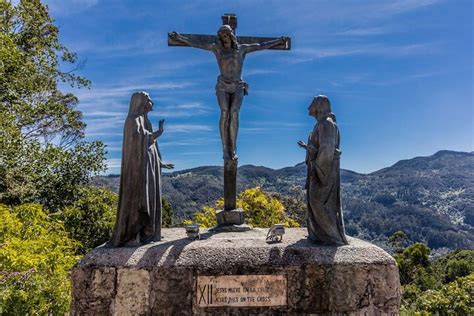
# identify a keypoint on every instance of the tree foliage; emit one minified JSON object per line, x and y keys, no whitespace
{"x":457,"y":263}
{"x":454,"y":298}
{"x":167,"y":213}
{"x":398,"y":241}
{"x":30,"y":71}
{"x":42,"y":153}
{"x":43,"y":159}
{"x":206,"y":217}
{"x":36,"y":255}
{"x":90,"y":219}
{"x":413,"y":262}
{"x":295,"y":205}
{"x":441,"y":287}
{"x":260,"y":209}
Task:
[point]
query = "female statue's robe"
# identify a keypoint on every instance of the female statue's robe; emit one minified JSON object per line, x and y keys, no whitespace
{"x":139,"y":209}
{"x":325,"y":224}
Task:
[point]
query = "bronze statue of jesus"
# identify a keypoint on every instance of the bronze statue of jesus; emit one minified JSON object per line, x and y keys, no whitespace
{"x":230,"y":88}
{"x":230,"y":51}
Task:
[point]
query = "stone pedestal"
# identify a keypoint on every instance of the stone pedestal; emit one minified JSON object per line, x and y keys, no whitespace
{"x":231,"y":217}
{"x":231,"y":221}
{"x":238,"y":274}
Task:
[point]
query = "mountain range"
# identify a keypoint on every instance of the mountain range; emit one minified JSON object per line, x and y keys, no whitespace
{"x":430,"y":198}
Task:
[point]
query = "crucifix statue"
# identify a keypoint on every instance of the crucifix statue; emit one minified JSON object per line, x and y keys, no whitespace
{"x":230,"y":51}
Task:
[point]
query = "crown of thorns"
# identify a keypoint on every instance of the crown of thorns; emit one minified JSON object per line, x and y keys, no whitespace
{"x":225,"y":29}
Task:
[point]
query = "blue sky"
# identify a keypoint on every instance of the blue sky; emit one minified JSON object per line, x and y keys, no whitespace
{"x":399,"y":75}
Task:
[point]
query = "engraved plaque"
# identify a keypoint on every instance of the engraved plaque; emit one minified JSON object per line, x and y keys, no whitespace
{"x":241,"y":290}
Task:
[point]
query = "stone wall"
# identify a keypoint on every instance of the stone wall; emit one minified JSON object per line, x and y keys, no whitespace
{"x":161,"y":278}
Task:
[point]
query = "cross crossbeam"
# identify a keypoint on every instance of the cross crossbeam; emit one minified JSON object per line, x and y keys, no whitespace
{"x":209,"y":39}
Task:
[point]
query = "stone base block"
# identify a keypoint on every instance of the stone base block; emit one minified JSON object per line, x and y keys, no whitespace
{"x":236,"y":274}
{"x":232,"y":217}
{"x":231,"y":228}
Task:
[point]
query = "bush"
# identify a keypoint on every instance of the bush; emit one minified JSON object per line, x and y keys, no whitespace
{"x":260,"y":209}
{"x":35,"y":259}
{"x":455,"y":298}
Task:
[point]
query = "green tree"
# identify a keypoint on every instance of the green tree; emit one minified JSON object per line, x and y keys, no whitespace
{"x":91,"y":218}
{"x":414,"y":266}
{"x":260,"y":209}
{"x":30,"y":70}
{"x":36,"y":255}
{"x":456,"y":269}
{"x":398,"y":241}
{"x":42,"y":153}
{"x":441,"y":287}
{"x":167,"y":213}
{"x":457,"y":263}
{"x":454,"y":298}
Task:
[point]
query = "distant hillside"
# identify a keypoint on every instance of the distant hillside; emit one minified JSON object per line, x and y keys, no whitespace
{"x":430,"y":198}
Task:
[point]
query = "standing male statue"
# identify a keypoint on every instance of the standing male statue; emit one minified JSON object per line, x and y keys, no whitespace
{"x":230,"y":51}
{"x":323,"y":183}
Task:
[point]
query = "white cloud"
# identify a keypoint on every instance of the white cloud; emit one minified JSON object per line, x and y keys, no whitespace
{"x":196,"y":141}
{"x":401,"y":6}
{"x":188,"y":128}
{"x":103,"y":113}
{"x":257,"y":127}
{"x":67,"y":7}
{"x":142,"y":44}
{"x":309,"y":53}
{"x":367,"y":31}
{"x":256,"y":71}
{"x":191,"y":109}
{"x":114,"y":163}
{"x":96,"y":126}
{"x":94,"y":134}
{"x":190,"y":106}
{"x":113,"y":148}
{"x":201,"y":153}
{"x":327,"y":12}
{"x":112,"y":92}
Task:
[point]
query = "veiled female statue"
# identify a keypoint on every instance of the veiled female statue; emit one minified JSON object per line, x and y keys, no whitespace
{"x":325,"y":223}
{"x":139,"y":210}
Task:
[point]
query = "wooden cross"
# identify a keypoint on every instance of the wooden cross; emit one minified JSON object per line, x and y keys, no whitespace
{"x":207,"y":42}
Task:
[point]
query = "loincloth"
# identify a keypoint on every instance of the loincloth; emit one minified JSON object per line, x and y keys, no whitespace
{"x":231,"y":86}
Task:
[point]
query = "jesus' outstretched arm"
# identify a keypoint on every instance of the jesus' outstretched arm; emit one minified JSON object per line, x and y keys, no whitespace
{"x":188,"y":41}
{"x":249,"y":48}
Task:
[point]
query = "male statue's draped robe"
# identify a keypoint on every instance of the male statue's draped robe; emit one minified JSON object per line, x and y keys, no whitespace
{"x":139,"y":209}
{"x":325,"y":224}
